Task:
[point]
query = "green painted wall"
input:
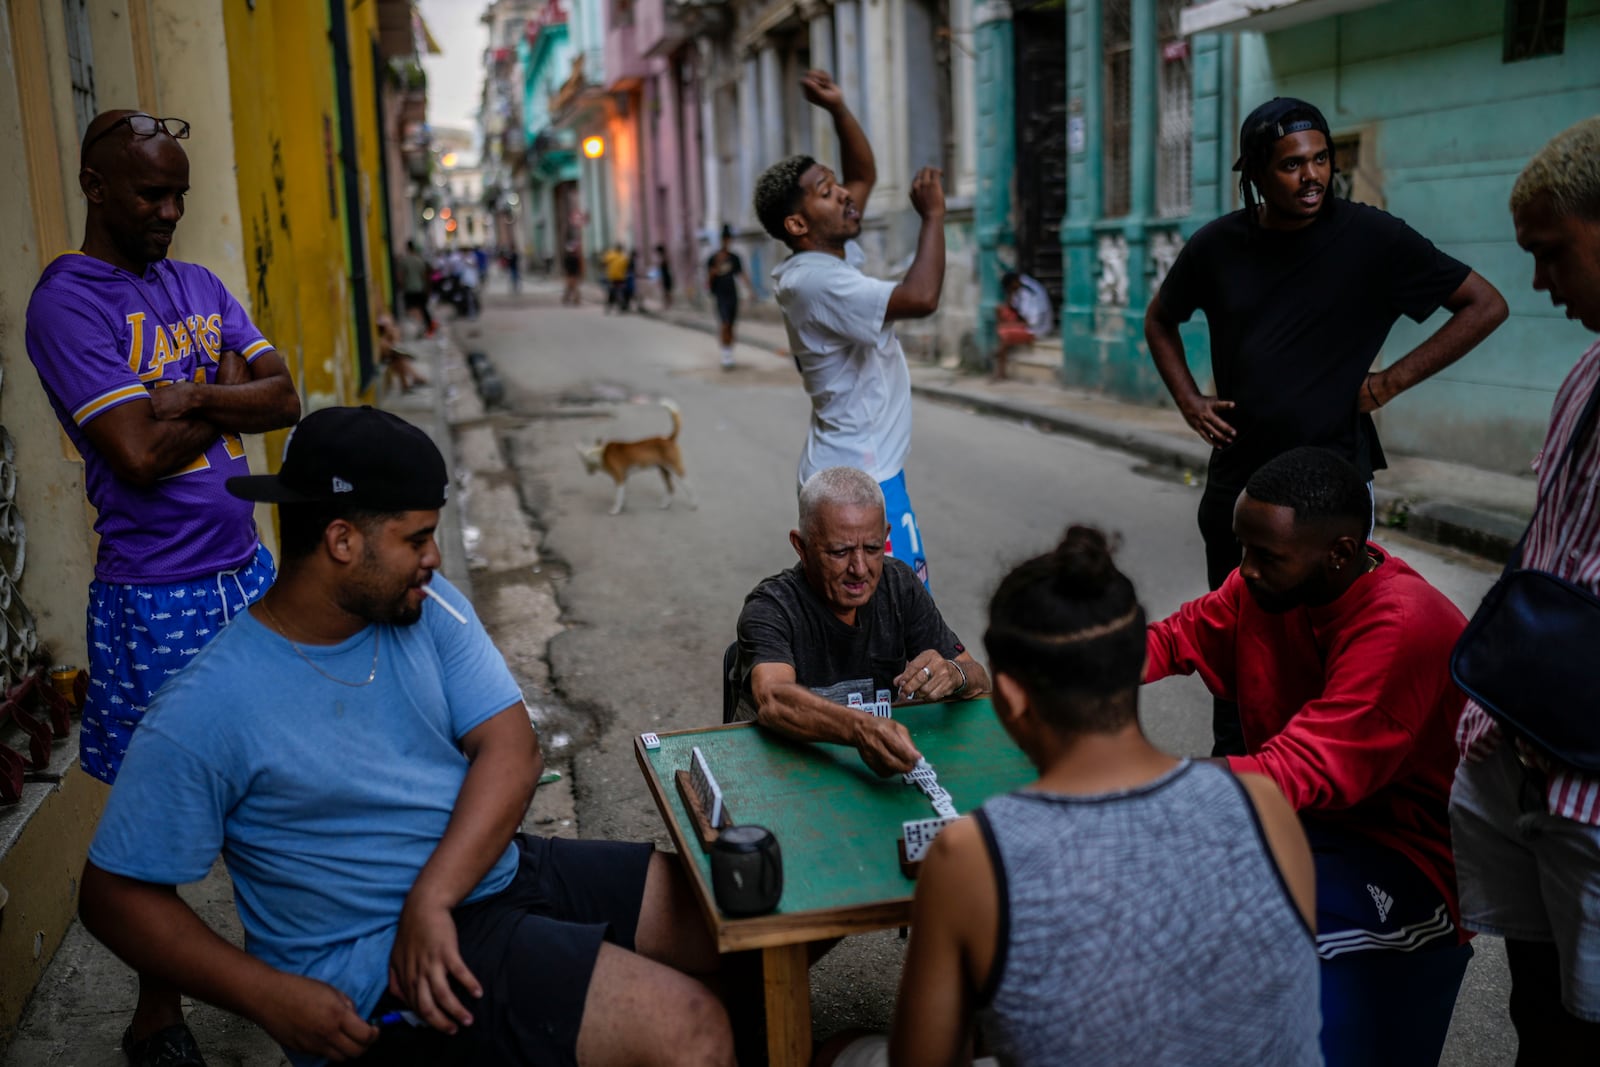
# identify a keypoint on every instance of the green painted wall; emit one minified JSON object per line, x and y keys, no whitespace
{"x":1102,"y":347}
{"x":1451,"y":125}
{"x":995,"y":93}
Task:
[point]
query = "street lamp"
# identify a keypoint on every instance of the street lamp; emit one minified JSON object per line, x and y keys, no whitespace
{"x":594,"y":147}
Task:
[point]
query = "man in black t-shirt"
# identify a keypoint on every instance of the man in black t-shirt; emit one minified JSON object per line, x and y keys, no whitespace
{"x":724,"y":270}
{"x":1300,"y":290}
{"x":846,"y":620}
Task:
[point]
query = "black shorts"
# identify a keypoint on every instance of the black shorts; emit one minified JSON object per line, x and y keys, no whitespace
{"x":727,"y":307}
{"x":415,"y":300}
{"x":532,"y":946}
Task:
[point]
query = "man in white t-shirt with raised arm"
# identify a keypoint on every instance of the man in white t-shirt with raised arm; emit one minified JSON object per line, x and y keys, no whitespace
{"x":840,"y":321}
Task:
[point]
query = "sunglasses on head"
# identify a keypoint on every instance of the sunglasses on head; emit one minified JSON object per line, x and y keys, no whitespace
{"x":144,"y":126}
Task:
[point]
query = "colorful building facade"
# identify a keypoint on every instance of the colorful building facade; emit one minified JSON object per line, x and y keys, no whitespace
{"x":289,"y":205}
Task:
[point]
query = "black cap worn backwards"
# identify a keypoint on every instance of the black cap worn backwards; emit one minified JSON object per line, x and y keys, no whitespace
{"x":362,"y":457}
{"x":1266,"y":125}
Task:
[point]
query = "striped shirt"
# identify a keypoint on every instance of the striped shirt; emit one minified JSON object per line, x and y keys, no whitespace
{"x":1564,"y":540}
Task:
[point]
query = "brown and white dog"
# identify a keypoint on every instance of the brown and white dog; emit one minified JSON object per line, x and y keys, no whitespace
{"x":619,"y":458}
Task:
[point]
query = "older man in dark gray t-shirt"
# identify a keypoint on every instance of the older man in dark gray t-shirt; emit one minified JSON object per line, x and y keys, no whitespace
{"x":846,"y":620}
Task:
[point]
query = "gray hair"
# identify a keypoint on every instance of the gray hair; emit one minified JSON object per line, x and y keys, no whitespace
{"x":1567,"y":170}
{"x":843,"y":487}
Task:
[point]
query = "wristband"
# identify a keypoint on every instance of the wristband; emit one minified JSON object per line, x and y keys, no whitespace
{"x":1371,"y":394}
{"x":962,"y":688}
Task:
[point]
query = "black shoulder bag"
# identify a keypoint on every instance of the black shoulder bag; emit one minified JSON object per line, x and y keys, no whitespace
{"x":1530,"y":653}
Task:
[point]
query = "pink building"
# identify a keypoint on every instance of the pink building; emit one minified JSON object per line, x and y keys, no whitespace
{"x":653,"y":67}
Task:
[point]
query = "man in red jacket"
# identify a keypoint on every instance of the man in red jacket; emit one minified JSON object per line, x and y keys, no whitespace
{"x":1338,"y":656}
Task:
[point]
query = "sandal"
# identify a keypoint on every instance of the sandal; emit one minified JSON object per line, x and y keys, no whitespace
{"x":173,"y":1046}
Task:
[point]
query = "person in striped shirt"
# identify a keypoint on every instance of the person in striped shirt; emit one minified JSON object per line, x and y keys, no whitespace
{"x":1527,"y":829}
{"x":154,"y":370}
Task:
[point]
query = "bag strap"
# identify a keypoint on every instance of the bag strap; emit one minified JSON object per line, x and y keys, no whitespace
{"x":1579,"y":431}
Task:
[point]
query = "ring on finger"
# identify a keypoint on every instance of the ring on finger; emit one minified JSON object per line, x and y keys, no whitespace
{"x":927,"y":674}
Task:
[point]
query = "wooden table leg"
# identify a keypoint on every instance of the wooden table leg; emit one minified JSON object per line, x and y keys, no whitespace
{"x":787,"y":975}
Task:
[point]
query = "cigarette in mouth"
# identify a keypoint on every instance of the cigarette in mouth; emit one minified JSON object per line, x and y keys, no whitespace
{"x":427,"y":591}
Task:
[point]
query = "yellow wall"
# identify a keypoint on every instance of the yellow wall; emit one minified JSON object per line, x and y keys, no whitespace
{"x":265,"y":213}
{"x":363,"y":18}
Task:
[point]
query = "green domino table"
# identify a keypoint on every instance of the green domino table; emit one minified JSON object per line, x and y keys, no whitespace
{"x":838,"y":825}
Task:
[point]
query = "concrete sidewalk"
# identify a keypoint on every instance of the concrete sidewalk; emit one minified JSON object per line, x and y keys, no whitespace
{"x":1479,"y":511}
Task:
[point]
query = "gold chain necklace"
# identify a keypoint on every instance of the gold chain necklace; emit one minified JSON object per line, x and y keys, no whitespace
{"x":309,"y":662}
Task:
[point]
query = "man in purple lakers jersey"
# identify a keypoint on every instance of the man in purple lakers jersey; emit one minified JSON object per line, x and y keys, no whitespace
{"x":154,"y":370}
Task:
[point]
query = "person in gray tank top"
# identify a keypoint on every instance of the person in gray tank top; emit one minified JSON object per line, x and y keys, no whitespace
{"x":1126,"y":908}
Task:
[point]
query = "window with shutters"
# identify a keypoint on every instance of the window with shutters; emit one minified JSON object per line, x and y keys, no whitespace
{"x":1535,"y":28}
{"x":1116,"y":36}
{"x":1175,"y":129}
{"x":80,"y":61}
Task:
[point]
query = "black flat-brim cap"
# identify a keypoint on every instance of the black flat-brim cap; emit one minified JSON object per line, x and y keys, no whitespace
{"x":361,"y":457}
{"x":1266,"y":122}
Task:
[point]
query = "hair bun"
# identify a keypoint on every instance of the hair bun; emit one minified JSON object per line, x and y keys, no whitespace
{"x":1083,"y":563}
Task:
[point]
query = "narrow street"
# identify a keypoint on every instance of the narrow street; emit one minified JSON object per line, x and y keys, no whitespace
{"x":650,"y":597}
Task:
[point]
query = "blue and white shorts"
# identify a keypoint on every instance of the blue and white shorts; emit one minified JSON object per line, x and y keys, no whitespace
{"x":903,"y":531}
{"x":141,"y":635}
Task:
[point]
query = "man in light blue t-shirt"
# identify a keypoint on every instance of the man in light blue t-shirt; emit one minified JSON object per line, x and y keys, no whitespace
{"x":361,"y":759}
{"x":841,"y":322}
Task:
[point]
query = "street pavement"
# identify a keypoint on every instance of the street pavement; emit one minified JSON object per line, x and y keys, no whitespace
{"x":617,"y":624}
{"x":650,"y":597}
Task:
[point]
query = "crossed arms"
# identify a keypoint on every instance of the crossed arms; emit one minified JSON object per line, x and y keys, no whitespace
{"x":146,"y":440}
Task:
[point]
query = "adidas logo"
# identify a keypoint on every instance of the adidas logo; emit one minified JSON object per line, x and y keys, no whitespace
{"x":1382,"y":900}
{"x":342,"y":486}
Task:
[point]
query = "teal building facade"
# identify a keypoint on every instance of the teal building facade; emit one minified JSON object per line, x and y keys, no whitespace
{"x":1438,"y":105}
{"x":1435,"y":105}
{"x":546,"y":52}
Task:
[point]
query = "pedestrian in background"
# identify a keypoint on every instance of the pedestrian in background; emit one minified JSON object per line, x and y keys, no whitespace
{"x":413,"y":272}
{"x":514,"y":268}
{"x":572,"y":274}
{"x":724,"y":272}
{"x":1024,"y":317}
{"x":1526,"y":826}
{"x":664,"y":277}
{"x":614,"y":262}
{"x":154,"y":370}
{"x":468,"y":276}
{"x":1300,"y":288}
{"x":630,"y":284}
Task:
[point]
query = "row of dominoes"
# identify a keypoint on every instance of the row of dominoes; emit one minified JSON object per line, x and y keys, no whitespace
{"x":925,"y":778}
{"x":880,"y":707}
{"x":705,"y":787}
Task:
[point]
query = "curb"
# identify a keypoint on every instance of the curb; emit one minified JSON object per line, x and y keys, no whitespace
{"x":1154,"y":447}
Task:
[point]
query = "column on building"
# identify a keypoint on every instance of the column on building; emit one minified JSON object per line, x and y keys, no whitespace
{"x":883,"y":83}
{"x":1143,"y":138}
{"x":963,"y":97}
{"x":710,"y":150}
{"x":772,"y":109}
{"x":819,"y":25}
{"x":750,"y":137}
{"x":847,"y":55}
{"x":1085,"y":185}
{"x":996,"y":150}
{"x":688,"y":76}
